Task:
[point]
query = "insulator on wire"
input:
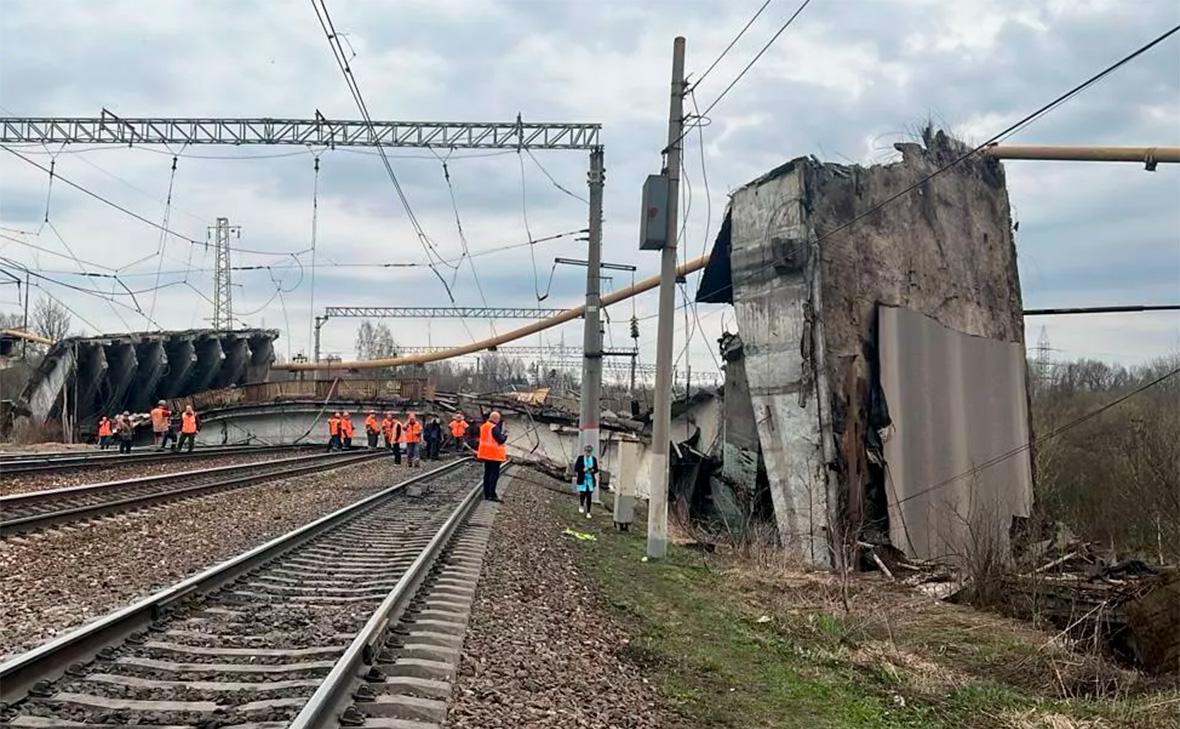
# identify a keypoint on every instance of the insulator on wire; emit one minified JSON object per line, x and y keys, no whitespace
{"x":634,"y":328}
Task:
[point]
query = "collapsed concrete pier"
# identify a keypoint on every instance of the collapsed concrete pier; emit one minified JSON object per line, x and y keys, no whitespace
{"x":879,"y":362}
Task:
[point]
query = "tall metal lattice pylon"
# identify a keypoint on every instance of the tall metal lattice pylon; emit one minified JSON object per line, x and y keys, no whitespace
{"x":223,"y":308}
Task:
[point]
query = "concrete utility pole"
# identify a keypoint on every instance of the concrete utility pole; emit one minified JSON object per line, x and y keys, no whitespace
{"x":591,"y":402}
{"x":657,"y":510}
{"x":24,"y":347}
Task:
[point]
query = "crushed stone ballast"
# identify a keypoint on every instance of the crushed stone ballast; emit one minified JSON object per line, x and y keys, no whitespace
{"x":39,"y":509}
{"x":255,"y":637}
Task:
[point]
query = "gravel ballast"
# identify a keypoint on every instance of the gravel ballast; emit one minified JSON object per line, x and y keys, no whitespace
{"x":542,"y":649}
{"x":21,"y":483}
{"x":57,"y":580}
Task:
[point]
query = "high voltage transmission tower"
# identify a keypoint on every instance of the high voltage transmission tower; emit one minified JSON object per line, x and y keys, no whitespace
{"x":223,"y":308}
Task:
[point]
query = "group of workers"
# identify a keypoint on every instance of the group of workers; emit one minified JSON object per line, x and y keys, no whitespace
{"x":416,"y":441}
{"x":410,"y":438}
{"x":176,"y":428}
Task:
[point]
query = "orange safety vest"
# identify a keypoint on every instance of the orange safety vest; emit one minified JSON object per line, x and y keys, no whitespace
{"x":160,"y":419}
{"x":458,"y":428}
{"x":346,"y":428}
{"x":188,"y":423}
{"x":104,"y":428}
{"x":371,"y":424}
{"x":387,"y":428}
{"x":489,"y":449}
{"x":333,"y":426}
{"x":412,"y":431}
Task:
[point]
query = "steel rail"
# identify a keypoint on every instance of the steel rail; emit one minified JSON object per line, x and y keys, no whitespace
{"x":49,"y":456}
{"x":68,"y":462}
{"x":335,"y":692}
{"x":49,"y":661}
{"x":12,"y":501}
{"x":299,"y":466}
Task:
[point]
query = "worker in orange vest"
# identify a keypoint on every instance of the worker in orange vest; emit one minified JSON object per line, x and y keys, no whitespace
{"x":387,"y":430}
{"x":458,"y":430}
{"x":161,"y":415}
{"x":412,"y":432}
{"x":493,"y":453}
{"x":346,"y":430}
{"x":372,"y":429}
{"x":189,"y":427}
{"x":334,"y":432}
{"x":399,"y":441}
{"x":105,"y":431}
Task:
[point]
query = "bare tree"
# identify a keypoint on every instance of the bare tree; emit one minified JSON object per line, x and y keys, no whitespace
{"x":374,"y":342}
{"x":50,"y":319}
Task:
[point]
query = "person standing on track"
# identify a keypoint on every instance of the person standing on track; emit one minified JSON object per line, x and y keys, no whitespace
{"x":493,"y":454}
{"x":334,"y":432}
{"x":399,"y":439}
{"x":387,"y":430}
{"x":105,"y":431}
{"x":586,"y":478}
{"x":346,"y":431}
{"x":432,"y":434}
{"x":472,"y":436}
{"x":124,"y":431}
{"x":161,"y":415}
{"x":372,"y":429}
{"x":412,"y":431}
{"x":458,"y":431}
{"x":189,"y":427}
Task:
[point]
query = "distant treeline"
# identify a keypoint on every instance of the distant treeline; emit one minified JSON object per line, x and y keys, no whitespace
{"x":1115,"y":478}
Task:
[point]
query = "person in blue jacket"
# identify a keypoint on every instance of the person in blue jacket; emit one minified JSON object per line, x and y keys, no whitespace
{"x":586,"y":478}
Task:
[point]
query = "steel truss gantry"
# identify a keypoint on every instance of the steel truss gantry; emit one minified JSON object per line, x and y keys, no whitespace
{"x":318,"y":132}
{"x":439,"y":312}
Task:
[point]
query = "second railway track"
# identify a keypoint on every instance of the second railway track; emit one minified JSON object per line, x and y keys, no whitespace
{"x":13,"y":464}
{"x":20,"y":513}
{"x":258,"y":638}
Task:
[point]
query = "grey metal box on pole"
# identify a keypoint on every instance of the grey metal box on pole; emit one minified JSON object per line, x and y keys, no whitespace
{"x":653,"y":225}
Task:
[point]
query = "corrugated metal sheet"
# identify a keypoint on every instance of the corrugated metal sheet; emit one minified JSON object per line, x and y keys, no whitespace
{"x":957,"y":402}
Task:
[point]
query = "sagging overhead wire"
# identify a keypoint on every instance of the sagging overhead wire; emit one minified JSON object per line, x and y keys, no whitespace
{"x":1006,"y":132}
{"x":465,"y":255}
{"x":103,"y":295}
{"x":732,"y":43}
{"x":319,"y":265}
{"x":556,"y":184}
{"x":746,"y":69}
{"x":325,"y":19}
{"x":1055,"y":432}
{"x":162,"y":247}
{"x":126,"y":211}
{"x":524,"y":212}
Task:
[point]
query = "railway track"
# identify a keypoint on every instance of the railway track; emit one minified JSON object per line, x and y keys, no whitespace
{"x":283,"y":633}
{"x":27,"y":463}
{"x":33,"y":510}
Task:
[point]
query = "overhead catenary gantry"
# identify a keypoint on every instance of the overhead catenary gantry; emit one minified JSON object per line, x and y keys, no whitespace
{"x":321,"y":131}
{"x":426,"y":312}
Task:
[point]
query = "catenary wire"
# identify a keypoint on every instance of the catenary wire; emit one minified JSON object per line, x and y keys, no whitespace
{"x":1041,"y":439}
{"x":126,"y":211}
{"x":748,"y":66}
{"x":732,"y":43}
{"x":325,"y":20}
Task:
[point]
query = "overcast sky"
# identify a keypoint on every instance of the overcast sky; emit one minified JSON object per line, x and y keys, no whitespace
{"x":844,"y":83}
